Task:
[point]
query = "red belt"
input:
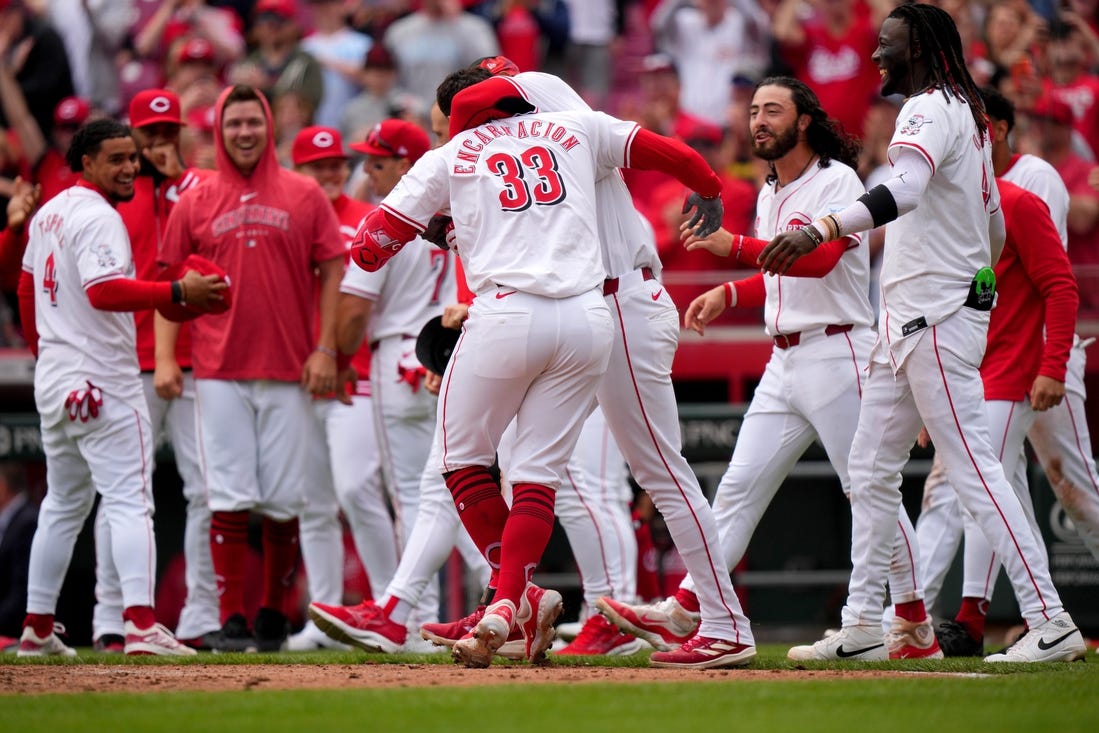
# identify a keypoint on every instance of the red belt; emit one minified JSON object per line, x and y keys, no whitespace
{"x":610,"y":285}
{"x":786,"y":340}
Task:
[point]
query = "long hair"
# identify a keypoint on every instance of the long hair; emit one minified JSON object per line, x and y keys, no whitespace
{"x":933,"y":30}
{"x":825,"y":136}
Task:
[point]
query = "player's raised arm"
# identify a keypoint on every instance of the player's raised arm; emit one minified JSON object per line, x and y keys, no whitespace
{"x":650,"y":151}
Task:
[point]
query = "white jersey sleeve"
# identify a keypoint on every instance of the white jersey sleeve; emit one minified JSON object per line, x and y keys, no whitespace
{"x":1043,"y":180}
{"x":421,"y":192}
{"x":549,"y":93}
{"x":103,"y":252}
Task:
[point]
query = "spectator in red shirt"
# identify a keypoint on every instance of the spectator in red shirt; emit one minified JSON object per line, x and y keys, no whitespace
{"x":1071,"y":82}
{"x":1054,"y":127}
{"x":830,"y":50}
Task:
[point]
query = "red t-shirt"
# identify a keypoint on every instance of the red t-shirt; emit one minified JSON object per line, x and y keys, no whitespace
{"x":146,"y":217}
{"x":839,"y":69}
{"x":54,"y":174}
{"x":269,"y":231}
{"x":1082,"y":97}
{"x":1035,"y":288}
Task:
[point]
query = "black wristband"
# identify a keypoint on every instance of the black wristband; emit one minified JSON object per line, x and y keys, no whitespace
{"x":177,"y":292}
{"x":883,"y":207}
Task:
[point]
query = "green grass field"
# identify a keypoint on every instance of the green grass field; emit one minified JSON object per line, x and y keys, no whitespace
{"x":1049,"y":697}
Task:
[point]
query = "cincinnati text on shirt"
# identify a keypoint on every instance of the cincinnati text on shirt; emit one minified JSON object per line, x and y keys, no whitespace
{"x":475,"y":141}
{"x":251,"y":214}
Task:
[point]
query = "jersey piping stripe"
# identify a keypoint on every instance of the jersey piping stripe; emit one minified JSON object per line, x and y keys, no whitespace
{"x":908,"y":549}
{"x":151,"y":559}
{"x":965,"y":444}
{"x":663,"y":459}
{"x":598,"y":534}
{"x":388,"y":465}
{"x":629,"y":145}
{"x":918,"y":149}
{"x":1085,"y":458}
{"x":854,"y":361}
{"x":403,"y":217}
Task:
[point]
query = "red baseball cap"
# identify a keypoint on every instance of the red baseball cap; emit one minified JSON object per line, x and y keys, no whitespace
{"x":179,"y":312}
{"x":196,"y":50}
{"x":692,"y":130}
{"x":1054,"y":110}
{"x":284,"y":8}
{"x":202,"y":118}
{"x":71,"y":112}
{"x":498,"y":65}
{"x":151,"y":106}
{"x":395,"y":139}
{"x":317,"y":143}
{"x":492,"y":99}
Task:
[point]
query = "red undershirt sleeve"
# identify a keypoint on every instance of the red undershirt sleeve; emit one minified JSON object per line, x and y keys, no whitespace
{"x":751,"y":292}
{"x":123,"y":294}
{"x":817,"y":263}
{"x":25,"y":293}
{"x":650,"y":151}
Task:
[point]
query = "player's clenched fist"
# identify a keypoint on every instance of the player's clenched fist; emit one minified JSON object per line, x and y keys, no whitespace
{"x":203,"y":292}
{"x":707,"y":307}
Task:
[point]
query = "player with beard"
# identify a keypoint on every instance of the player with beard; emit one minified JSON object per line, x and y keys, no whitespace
{"x":821,"y":327}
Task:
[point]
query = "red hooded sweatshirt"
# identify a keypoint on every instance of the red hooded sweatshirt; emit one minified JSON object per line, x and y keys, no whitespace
{"x":268,"y":230}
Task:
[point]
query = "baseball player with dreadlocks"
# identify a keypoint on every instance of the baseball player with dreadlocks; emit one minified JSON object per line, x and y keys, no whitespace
{"x":820,"y":321}
{"x":937,"y":288}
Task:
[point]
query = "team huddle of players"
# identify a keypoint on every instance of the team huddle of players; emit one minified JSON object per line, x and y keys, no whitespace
{"x":548,"y":270}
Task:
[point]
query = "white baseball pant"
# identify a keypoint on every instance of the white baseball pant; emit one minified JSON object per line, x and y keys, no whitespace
{"x":639,"y":403}
{"x":174,"y":419}
{"x":111,"y":455}
{"x":346,"y":474}
{"x":252,"y":437}
{"x":812,"y":391}
{"x":940,"y":384}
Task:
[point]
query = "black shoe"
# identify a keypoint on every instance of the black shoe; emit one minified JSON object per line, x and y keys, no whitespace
{"x":272,"y":628}
{"x":235,"y":636}
{"x":956,"y":641}
{"x":110,"y":644}
{"x":205,"y":643}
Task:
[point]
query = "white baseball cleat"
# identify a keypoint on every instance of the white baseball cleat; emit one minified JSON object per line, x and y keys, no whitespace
{"x":858,"y":643}
{"x":476,"y":648}
{"x":1057,"y":640}
{"x":666,"y":625}
{"x":154,"y":640}
{"x":32,"y":645}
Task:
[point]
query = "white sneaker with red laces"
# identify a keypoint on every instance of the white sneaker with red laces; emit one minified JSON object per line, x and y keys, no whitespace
{"x":666,"y":625}
{"x":154,"y":640}
{"x":599,"y":636}
{"x":366,"y":626}
{"x":538,"y":610}
{"x":476,"y":649}
{"x":702,"y":652}
{"x":912,"y":640}
{"x":32,"y":645}
{"x":448,"y":633}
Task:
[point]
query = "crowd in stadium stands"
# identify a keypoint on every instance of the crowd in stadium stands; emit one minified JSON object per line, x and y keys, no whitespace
{"x":685,"y":68}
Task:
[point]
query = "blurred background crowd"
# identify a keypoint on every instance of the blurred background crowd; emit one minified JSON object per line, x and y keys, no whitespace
{"x":678,"y":67}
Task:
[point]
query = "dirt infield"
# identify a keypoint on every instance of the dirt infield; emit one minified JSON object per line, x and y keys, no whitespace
{"x":82,"y":678}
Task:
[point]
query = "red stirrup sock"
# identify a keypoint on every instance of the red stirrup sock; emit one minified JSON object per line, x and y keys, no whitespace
{"x":280,"y":559}
{"x":526,"y":535}
{"x":481,"y":508}
{"x":229,"y":552}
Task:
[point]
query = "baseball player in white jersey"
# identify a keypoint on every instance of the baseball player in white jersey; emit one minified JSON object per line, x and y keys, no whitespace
{"x":1062,"y":447}
{"x":937,"y":289}
{"x":551,"y":187}
{"x":639,"y":405}
{"x":343,"y":456}
{"x":394,"y":303}
{"x":77,"y":298}
{"x":161,"y":179}
{"x":821,"y":326}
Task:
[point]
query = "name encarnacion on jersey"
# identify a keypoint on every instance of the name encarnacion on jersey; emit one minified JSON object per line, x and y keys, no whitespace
{"x":469,"y":150}
{"x":251,"y":214}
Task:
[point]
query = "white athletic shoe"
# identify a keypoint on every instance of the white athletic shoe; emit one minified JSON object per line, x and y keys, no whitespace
{"x":1057,"y":640}
{"x":858,"y":643}
{"x":154,"y":640}
{"x":415,"y":644}
{"x":311,"y":639}
{"x":31,"y":645}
